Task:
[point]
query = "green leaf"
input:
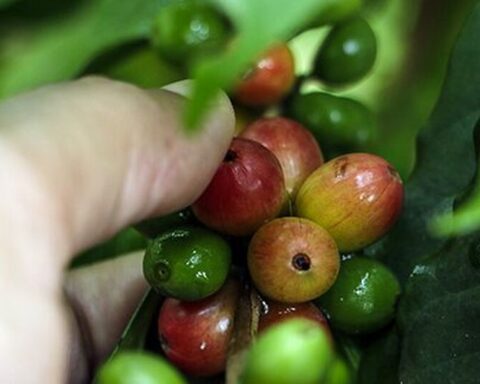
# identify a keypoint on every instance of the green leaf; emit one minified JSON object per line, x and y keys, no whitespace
{"x":438,"y":313}
{"x":439,"y":317}
{"x":463,"y":220}
{"x":34,"y":54}
{"x":259,"y":24}
{"x":446,"y":160}
{"x":379,"y":363}
{"x":5,"y":3}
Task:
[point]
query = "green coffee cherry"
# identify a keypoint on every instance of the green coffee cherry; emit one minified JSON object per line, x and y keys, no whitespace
{"x":335,"y":121}
{"x":186,"y":29}
{"x":294,"y":351}
{"x":347,"y":54}
{"x":187,"y":263}
{"x":363,"y":298}
{"x":138,"y":368}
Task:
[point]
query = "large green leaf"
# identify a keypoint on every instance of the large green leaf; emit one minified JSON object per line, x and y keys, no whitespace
{"x":439,"y":317}
{"x":446,"y":159}
{"x":463,"y":220}
{"x":439,"y":311}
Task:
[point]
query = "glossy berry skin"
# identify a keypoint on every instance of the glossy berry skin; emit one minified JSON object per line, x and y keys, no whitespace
{"x":293,"y":145}
{"x":292,"y":260}
{"x":269,"y":80}
{"x":335,"y":121}
{"x":356,"y":198}
{"x":195,"y":335}
{"x":139,"y":368}
{"x":275,"y":312}
{"x":188,"y":263}
{"x":186,"y":29}
{"x":363,"y":298}
{"x":348,"y":52}
{"x":247,"y":190}
{"x":294,"y":351}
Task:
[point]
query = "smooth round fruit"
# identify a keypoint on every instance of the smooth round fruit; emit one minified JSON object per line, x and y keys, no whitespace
{"x":246,"y":191}
{"x":363,"y":298}
{"x":356,"y":198}
{"x":269,"y":80}
{"x":187,"y":263}
{"x":335,"y":121}
{"x":138,"y":368}
{"x":292,"y":144}
{"x":274,"y":312}
{"x":295,"y":351}
{"x":292,"y":260}
{"x":348,"y":52}
{"x":182,"y":30}
{"x":195,"y":335}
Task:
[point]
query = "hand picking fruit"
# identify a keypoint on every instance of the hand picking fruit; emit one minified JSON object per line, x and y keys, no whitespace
{"x":74,"y":186}
{"x":264,"y":178}
{"x":276,"y":223}
{"x":306,"y":250}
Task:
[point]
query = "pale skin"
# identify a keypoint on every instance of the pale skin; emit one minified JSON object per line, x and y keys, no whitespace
{"x":78,"y":162}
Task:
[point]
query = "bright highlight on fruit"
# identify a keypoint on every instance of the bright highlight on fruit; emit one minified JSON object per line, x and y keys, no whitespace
{"x":187,"y":263}
{"x":363,"y":298}
{"x":195,"y":335}
{"x":356,"y":198}
{"x":270,"y":79}
{"x":293,"y":260}
{"x":348,"y":52}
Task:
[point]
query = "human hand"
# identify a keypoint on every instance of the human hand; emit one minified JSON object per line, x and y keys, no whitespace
{"x":78,"y":162}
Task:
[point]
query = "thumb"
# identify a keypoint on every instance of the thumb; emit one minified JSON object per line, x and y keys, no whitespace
{"x":79,"y":161}
{"x":109,"y":154}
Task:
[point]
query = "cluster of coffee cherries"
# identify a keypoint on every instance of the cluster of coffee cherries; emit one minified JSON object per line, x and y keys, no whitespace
{"x":280,"y":220}
{"x":298,"y":215}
